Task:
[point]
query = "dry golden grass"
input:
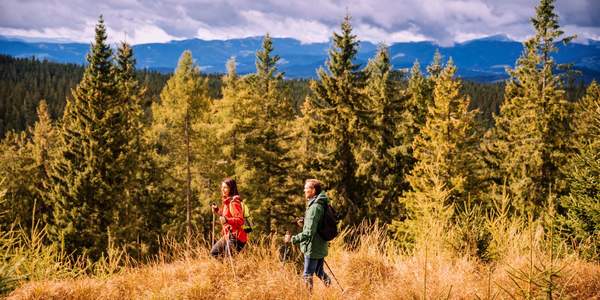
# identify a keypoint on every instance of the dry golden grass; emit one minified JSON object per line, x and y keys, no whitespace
{"x":367,"y":269}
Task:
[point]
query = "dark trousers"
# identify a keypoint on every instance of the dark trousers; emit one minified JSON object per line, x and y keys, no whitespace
{"x":314,"y":266}
{"x":220,"y":247}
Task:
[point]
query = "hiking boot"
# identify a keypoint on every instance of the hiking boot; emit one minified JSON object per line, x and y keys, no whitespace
{"x":326,"y":280}
{"x":309,"y":283}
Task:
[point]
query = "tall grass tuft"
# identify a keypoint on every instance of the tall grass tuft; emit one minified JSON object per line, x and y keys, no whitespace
{"x":524,"y":259}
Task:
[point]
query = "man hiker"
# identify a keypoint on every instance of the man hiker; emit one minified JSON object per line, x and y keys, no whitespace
{"x":311,"y":244}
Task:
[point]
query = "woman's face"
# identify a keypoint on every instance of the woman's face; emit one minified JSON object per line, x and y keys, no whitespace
{"x":224,"y":190}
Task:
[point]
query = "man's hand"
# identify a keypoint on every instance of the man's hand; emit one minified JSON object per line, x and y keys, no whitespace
{"x":222,"y":220}
{"x":287,"y":238}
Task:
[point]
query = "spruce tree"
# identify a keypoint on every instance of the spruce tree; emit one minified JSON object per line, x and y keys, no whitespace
{"x":126,"y":220}
{"x":87,"y":178}
{"x":585,"y":117}
{"x":382,"y":164}
{"x":414,"y":115}
{"x":530,"y":140}
{"x":184,"y":103}
{"x":264,"y":162}
{"x":420,"y":91}
{"x":144,"y":209}
{"x":435,"y":68}
{"x":580,"y":218}
{"x":338,"y":110}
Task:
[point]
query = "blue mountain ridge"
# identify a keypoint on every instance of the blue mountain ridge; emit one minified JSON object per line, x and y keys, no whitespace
{"x":482,"y":59}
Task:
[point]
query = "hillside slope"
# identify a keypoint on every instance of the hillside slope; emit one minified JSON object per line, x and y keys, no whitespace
{"x":369,"y":271}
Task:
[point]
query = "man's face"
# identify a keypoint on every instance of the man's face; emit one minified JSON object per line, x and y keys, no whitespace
{"x":309,"y":191}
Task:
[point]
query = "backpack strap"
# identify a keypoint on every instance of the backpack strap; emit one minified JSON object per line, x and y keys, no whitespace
{"x":242,"y":206}
{"x":231,"y":213}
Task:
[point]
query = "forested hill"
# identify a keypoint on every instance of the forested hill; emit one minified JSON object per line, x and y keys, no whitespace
{"x":482,"y":60}
{"x":124,"y":174}
{"x":26,"y":81}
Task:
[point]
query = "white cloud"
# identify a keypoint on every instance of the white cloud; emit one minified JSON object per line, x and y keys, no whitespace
{"x":147,"y":34}
{"x":400,"y":54}
{"x":583,"y":33}
{"x":257,"y":23}
{"x":444,"y":21}
{"x":52,"y":33}
{"x":377,"y":34}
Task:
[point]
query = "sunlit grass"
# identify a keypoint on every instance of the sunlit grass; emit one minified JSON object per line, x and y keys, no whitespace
{"x":364,"y":260}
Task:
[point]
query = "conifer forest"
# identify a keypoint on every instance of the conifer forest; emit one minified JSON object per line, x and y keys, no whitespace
{"x":107,"y":174}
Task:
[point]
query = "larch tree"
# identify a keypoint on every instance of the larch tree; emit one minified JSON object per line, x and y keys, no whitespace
{"x":448,"y":144}
{"x":44,"y":135}
{"x":414,"y":113}
{"x":227,"y":115}
{"x":183,"y":103}
{"x":18,"y":171}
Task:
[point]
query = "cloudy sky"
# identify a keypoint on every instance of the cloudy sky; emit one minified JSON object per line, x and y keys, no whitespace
{"x":144,"y":21}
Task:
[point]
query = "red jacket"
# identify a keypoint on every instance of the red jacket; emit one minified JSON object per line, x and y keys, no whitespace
{"x":234,"y":216}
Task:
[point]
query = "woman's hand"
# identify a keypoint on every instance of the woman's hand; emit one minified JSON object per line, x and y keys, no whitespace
{"x":222,"y":220}
{"x":287,"y":238}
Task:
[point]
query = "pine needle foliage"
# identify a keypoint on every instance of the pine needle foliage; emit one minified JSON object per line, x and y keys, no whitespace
{"x":382,"y":164}
{"x":87,"y":178}
{"x":184,"y":105}
{"x":336,"y":119}
{"x":530,"y":140}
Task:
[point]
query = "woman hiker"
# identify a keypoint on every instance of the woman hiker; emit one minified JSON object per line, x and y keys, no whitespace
{"x":231,"y":215}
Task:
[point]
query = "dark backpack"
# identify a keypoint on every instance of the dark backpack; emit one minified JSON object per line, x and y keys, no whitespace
{"x":327,"y":228}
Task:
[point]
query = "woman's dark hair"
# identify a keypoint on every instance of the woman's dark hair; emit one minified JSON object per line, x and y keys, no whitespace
{"x":233,"y":191}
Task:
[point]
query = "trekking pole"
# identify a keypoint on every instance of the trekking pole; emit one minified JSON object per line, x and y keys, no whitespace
{"x":212,"y":235}
{"x":285,"y":252}
{"x":228,"y":249}
{"x":286,"y":249}
{"x":330,"y":271}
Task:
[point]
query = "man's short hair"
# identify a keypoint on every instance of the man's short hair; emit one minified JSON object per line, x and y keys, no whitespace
{"x":314,"y":183}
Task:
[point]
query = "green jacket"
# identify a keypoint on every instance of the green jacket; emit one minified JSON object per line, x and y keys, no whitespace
{"x":311,"y":243}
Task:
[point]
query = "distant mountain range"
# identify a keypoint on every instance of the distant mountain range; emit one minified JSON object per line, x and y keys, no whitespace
{"x":481,"y":60}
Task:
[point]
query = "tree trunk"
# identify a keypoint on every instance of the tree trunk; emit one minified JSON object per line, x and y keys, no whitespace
{"x":189,"y":178}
